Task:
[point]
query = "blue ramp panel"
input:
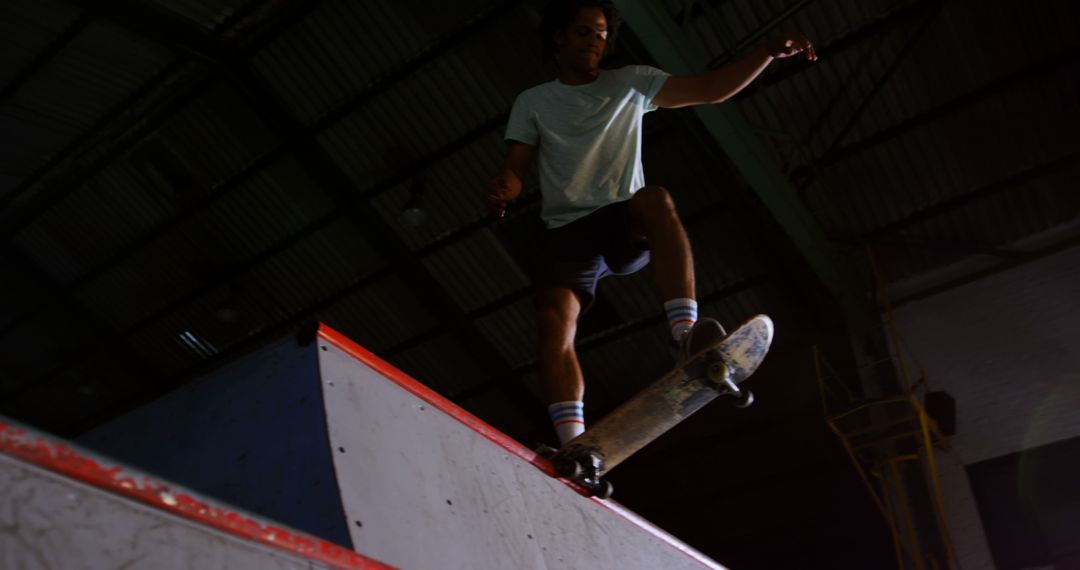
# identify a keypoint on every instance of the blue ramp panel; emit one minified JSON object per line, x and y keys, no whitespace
{"x":252,"y":434}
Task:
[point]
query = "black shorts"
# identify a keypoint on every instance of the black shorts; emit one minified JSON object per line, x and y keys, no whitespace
{"x":578,"y":255}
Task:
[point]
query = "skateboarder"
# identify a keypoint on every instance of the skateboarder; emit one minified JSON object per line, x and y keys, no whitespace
{"x":601,"y":218}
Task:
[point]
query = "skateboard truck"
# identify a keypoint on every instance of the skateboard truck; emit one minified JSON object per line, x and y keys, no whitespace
{"x":580,"y":466}
{"x":719,"y":374}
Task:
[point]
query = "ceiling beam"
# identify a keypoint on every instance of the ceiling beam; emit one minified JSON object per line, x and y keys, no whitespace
{"x":939,"y":245}
{"x":1028,"y":257}
{"x":170,"y":89}
{"x":1045,"y":67}
{"x":1010,"y":183}
{"x":751,"y":40}
{"x":922,"y":25}
{"x":44,"y":57}
{"x":826,"y":48}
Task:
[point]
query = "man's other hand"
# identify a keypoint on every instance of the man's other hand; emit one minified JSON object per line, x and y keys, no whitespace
{"x":499,"y":191}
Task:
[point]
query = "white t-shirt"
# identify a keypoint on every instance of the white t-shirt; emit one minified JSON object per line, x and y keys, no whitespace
{"x":589,"y":138}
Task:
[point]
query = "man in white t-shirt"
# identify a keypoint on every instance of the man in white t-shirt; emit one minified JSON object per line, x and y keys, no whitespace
{"x":601,"y":217}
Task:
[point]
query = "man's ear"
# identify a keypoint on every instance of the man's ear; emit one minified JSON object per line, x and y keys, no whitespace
{"x":559,"y":37}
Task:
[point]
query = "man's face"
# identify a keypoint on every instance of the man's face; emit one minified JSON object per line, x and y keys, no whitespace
{"x":582,"y":43}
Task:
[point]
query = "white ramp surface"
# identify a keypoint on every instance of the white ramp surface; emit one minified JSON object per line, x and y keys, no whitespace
{"x":52,"y":522}
{"x":425,"y":485}
{"x":61,"y":507}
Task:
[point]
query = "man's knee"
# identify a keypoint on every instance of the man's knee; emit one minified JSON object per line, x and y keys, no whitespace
{"x":556,"y":314}
{"x":652,"y":203}
{"x":654,"y":199}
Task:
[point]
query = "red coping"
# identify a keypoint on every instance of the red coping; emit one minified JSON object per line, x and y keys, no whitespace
{"x":506,"y":442}
{"x":60,"y":458}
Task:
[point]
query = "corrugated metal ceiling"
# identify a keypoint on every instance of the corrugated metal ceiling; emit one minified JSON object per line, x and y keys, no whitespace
{"x":184,"y":180}
{"x":414,"y":111}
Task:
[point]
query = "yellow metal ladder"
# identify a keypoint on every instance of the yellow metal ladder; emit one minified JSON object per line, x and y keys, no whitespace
{"x":891,"y":441}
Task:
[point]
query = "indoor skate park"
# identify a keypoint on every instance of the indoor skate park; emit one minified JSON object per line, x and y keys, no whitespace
{"x":255,"y":314}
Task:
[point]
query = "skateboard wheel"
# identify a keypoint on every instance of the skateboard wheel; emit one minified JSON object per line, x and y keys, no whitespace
{"x":568,"y":467}
{"x":546,"y":451}
{"x":744,"y":399}
{"x":606,"y":489}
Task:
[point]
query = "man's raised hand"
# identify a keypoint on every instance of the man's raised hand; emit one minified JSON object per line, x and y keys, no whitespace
{"x":789,"y":44}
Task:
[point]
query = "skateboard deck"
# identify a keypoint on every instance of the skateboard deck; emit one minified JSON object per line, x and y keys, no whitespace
{"x":714,"y":371}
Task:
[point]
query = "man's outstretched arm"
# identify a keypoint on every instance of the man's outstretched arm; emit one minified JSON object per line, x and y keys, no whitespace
{"x":506,"y":185}
{"x":723,"y":83}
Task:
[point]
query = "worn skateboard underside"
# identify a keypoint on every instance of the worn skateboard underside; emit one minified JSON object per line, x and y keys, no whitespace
{"x":668,"y":401}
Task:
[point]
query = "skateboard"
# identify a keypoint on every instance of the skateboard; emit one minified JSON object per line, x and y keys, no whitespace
{"x":714,"y":371}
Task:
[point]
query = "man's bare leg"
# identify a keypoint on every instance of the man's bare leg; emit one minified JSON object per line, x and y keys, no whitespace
{"x":557,"y":312}
{"x":653,"y":217}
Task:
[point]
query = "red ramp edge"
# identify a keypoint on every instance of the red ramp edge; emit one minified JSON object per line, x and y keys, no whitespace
{"x":26,"y":445}
{"x":506,"y":442}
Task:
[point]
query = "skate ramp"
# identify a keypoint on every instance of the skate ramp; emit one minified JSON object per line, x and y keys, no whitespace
{"x":323,"y":436}
{"x":61,"y":507}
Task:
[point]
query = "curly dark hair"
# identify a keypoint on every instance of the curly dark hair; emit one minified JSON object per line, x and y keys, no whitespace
{"x":558,"y":14}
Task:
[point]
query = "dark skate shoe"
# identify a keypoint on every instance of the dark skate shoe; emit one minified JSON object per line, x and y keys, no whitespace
{"x":704,"y":334}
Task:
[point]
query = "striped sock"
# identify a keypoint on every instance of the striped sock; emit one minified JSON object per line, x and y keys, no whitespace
{"x":681,"y":316}
{"x":569,"y":419}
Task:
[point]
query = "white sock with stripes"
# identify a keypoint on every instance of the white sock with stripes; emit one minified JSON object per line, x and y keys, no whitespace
{"x":569,"y":419}
{"x":681,"y":316}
